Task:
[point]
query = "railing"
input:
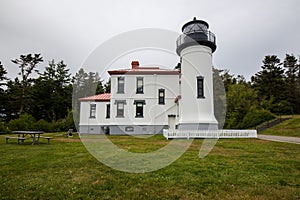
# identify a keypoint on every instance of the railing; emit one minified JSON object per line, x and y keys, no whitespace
{"x":270,"y":124}
{"x":196,"y":36}
{"x":209,"y":133}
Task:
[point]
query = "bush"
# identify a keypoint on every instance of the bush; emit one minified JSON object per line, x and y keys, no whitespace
{"x":3,"y":128}
{"x":70,"y":124}
{"x":43,"y":125}
{"x":283,"y":108}
{"x":60,"y":125}
{"x":65,"y":124}
{"x":255,"y":117}
{"x":25,"y":123}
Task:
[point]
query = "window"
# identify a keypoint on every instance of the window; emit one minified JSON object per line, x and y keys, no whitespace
{"x":139,"y":85}
{"x":121,"y":85}
{"x":139,"y":108}
{"x":161,"y":96}
{"x":120,"y":109}
{"x":200,"y":87}
{"x":92,"y":110}
{"x":107,"y":111}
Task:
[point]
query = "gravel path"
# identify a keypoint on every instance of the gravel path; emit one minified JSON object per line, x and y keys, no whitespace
{"x":295,"y":140}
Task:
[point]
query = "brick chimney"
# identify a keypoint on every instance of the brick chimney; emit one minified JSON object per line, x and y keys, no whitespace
{"x":135,"y":64}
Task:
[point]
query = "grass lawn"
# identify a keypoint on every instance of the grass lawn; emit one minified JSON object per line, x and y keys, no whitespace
{"x":235,"y":169}
{"x":290,"y":128}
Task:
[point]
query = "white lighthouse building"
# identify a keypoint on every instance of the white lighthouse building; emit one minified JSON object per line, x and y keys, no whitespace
{"x":148,"y":100}
{"x":195,"y":48}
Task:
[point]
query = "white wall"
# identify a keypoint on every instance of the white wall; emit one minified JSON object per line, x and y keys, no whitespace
{"x":196,"y":61}
{"x":100,"y":118}
{"x":154,"y":113}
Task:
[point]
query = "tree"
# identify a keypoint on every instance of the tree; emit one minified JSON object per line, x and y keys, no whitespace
{"x":298,"y":76}
{"x":100,"y":88}
{"x":2,"y":75}
{"x":292,"y":90}
{"x":270,"y":81}
{"x":12,"y":103}
{"x":227,"y":78}
{"x":85,"y":84}
{"x":27,"y":64}
{"x":3,"y":98}
{"x":290,"y":63}
{"x":52,"y":92}
{"x":107,"y":86}
{"x":240,"y":99}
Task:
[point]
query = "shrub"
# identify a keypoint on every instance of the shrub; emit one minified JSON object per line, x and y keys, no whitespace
{"x":255,"y":117}
{"x":3,"y":128}
{"x":65,"y":124}
{"x":70,"y":124}
{"x":60,"y":125}
{"x":282,"y":108}
{"x":43,"y":125}
{"x":25,"y":123}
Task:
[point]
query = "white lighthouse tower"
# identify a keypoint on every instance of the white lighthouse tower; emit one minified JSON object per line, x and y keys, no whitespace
{"x":195,"y":48}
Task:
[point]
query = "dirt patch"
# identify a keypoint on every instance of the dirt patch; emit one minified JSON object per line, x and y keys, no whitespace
{"x":66,"y":139}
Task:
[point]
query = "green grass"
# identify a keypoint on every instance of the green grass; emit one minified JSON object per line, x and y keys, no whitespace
{"x":290,"y":128}
{"x":235,"y":169}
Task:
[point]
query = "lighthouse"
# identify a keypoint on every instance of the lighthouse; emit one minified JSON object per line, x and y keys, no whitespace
{"x":196,"y":106}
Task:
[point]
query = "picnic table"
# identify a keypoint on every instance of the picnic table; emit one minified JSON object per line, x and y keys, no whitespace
{"x":35,"y":135}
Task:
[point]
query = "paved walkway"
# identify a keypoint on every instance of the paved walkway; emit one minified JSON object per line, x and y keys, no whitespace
{"x":295,"y":140}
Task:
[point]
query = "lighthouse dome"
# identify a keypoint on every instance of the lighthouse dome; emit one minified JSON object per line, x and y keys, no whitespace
{"x":196,"y":32}
{"x":195,"y":26}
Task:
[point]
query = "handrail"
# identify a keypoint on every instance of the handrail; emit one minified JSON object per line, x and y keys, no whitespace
{"x":203,"y":36}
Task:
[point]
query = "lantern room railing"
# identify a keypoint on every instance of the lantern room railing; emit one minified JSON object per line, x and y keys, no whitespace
{"x":196,"y":37}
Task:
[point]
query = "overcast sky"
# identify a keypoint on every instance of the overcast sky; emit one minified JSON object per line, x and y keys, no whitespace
{"x":70,"y":30}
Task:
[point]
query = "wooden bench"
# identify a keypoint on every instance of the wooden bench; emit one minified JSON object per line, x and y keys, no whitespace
{"x":20,"y":139}
{"x":48,"y":138}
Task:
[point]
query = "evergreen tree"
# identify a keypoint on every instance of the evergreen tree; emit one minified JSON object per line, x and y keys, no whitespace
{"x":228,"y":79}
{"x":52,"y":92}
{"x":85,"y":84}
{"x":3,"y":98}
{"x":107,"y":86}
{"x":100,"y":88}
{"x":2,"y":75}
{"x":292,"y":90}
{"x":270,"y":81}
{"x":12,"y":103}
{"x":27,"y":64}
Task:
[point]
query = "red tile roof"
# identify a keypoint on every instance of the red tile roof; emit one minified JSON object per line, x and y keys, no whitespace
{"x":98,"y":97}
